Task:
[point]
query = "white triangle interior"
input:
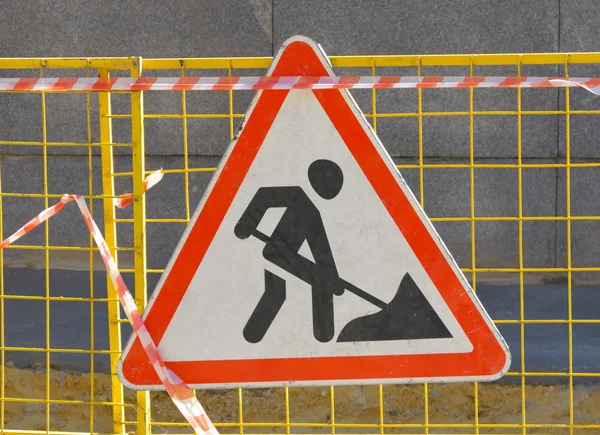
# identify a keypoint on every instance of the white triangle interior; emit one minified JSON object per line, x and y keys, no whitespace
{"x":368,"y":248}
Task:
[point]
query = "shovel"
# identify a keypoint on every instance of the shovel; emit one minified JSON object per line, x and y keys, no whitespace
{"x":408,"y":316}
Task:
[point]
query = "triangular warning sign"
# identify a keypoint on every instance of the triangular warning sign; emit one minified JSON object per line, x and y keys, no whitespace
{"x":308,"y":261}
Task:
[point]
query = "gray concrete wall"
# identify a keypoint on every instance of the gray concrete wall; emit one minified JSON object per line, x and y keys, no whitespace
{"x":182,"y":28}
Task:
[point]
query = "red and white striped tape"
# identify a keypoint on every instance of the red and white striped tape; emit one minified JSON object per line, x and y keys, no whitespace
{"x":74,"y":84}
{"x":180,"y":393}
{"x":127,"y":198}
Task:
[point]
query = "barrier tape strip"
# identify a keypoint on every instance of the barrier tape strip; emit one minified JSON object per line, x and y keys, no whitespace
{"x":180,"y":393}
{"x":127,"y":198}
{"x":75,"y":84}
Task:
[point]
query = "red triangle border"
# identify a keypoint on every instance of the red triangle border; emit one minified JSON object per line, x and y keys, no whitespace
{"x":490,"y":356}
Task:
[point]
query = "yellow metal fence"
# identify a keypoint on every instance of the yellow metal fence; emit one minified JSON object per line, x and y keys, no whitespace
{"x":47,"y":398}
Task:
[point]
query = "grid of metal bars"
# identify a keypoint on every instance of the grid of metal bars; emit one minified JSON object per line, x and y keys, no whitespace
{"x":149,"y":413}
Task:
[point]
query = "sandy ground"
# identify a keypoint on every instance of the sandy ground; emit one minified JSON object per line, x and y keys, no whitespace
{"x":402,"y":404}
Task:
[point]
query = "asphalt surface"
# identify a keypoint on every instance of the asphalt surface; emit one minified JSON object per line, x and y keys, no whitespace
{"x":546,"y":345}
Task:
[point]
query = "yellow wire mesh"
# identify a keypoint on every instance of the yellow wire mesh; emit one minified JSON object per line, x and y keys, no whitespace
{"x":47,"y":397}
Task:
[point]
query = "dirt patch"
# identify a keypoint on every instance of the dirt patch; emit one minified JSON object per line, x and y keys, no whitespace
{"x":448,"y":404}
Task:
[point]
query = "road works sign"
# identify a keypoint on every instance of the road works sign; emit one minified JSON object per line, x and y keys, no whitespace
{"x":308,"y":261}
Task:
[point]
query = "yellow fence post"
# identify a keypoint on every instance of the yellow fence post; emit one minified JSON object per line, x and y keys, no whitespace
{"x":139,"y":226}
{"x":2,"y":318}
{"x":569,"y":245}
{"x":110,"y":234}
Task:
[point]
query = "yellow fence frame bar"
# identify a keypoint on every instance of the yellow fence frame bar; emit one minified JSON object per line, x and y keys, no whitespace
{"x":139,"y":228}
{"x":382,"y":61}
{"x":110,"y":235}
{"x":109,"y":63}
